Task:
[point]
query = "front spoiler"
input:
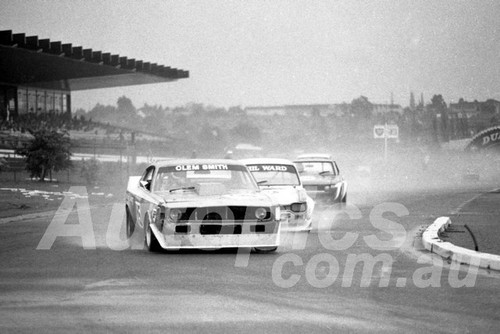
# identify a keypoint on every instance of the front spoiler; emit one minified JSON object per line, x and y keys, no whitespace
{"x":216,"y":241}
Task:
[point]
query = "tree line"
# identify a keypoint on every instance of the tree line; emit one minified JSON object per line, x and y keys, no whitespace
{"x":210,"y":131}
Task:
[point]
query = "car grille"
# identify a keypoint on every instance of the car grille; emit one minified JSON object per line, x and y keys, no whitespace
{"x":220,"y":229}
{"x":221,"y":213}
{"x":314,"y":188}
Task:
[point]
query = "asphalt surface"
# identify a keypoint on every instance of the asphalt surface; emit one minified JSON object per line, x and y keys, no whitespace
{"x":313,"y":284}
{"x":476,"y":224}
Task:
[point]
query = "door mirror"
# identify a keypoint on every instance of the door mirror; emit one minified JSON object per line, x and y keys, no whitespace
{"x":146,"y":184}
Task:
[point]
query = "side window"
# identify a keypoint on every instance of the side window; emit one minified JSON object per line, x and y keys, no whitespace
{"x":147,"y":178}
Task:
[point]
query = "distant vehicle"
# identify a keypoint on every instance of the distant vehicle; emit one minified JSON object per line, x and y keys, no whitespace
{"x":201,"y":203}
{"x":321,"y":178}
{"x":280,"y":179}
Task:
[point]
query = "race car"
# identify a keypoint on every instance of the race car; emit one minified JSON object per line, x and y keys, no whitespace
{"x":201,"y":204}
{"x":280,"y":179}
{"x":321,"y":178}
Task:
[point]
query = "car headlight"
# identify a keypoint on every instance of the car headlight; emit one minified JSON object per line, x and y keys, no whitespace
{"x":261,"y":213}
{"x":298,"y":207}
{"x":174,"y":214}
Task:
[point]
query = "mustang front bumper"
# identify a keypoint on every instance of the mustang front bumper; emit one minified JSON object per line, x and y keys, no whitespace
{"x":214,"y":235}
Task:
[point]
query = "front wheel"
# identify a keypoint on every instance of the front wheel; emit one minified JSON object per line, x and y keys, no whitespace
{"x":344,"y":199}
{"x":130,"y":226}
{"x":150,"y":240}
{"x":265,"y":249}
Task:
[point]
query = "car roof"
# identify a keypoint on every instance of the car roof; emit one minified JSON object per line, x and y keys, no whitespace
{"x":263,"y":161}
{"x":315,"y":156}
{"x":173,"y":162}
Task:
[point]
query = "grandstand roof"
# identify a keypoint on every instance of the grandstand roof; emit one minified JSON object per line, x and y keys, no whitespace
{"x":30,"y":61}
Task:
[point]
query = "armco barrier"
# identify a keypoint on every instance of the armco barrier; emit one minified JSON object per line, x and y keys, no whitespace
{"x":447,"y":250}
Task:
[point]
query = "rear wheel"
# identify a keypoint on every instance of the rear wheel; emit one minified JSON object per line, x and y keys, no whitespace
{"x":150,"y":240}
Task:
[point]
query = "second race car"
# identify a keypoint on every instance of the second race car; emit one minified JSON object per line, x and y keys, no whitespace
{"x":280,"y":179}
{"x":321,"y":178}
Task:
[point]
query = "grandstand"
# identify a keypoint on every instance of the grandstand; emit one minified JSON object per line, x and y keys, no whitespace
{"x":85,"y":135}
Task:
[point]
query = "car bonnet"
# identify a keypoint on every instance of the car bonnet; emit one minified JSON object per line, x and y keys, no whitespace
{"x":238,"y":198}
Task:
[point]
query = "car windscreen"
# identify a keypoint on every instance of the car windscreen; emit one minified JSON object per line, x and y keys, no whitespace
{"x":315,"y":167}
{"x":191,"y":176}
{"x":275,"y":174}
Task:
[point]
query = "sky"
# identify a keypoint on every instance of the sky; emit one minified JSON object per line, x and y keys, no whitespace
{"x":268,"y":53}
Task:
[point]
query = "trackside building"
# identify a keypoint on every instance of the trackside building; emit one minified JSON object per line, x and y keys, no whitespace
{"x":38,"y":75}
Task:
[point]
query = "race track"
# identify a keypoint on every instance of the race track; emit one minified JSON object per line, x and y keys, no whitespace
{"x":362,"y":269}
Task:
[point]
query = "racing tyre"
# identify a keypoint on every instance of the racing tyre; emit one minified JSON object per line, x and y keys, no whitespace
{"x":130,"y":226}
{"x":150,"y":240}
{"x":265,"y":249}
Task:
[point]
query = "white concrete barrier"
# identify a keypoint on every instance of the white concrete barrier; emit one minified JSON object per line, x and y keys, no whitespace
{"x":447,"y":250}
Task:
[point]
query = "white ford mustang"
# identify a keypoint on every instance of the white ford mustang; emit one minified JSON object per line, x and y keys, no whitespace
{"x":201,"y":203}
{"x":280,"y":179}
